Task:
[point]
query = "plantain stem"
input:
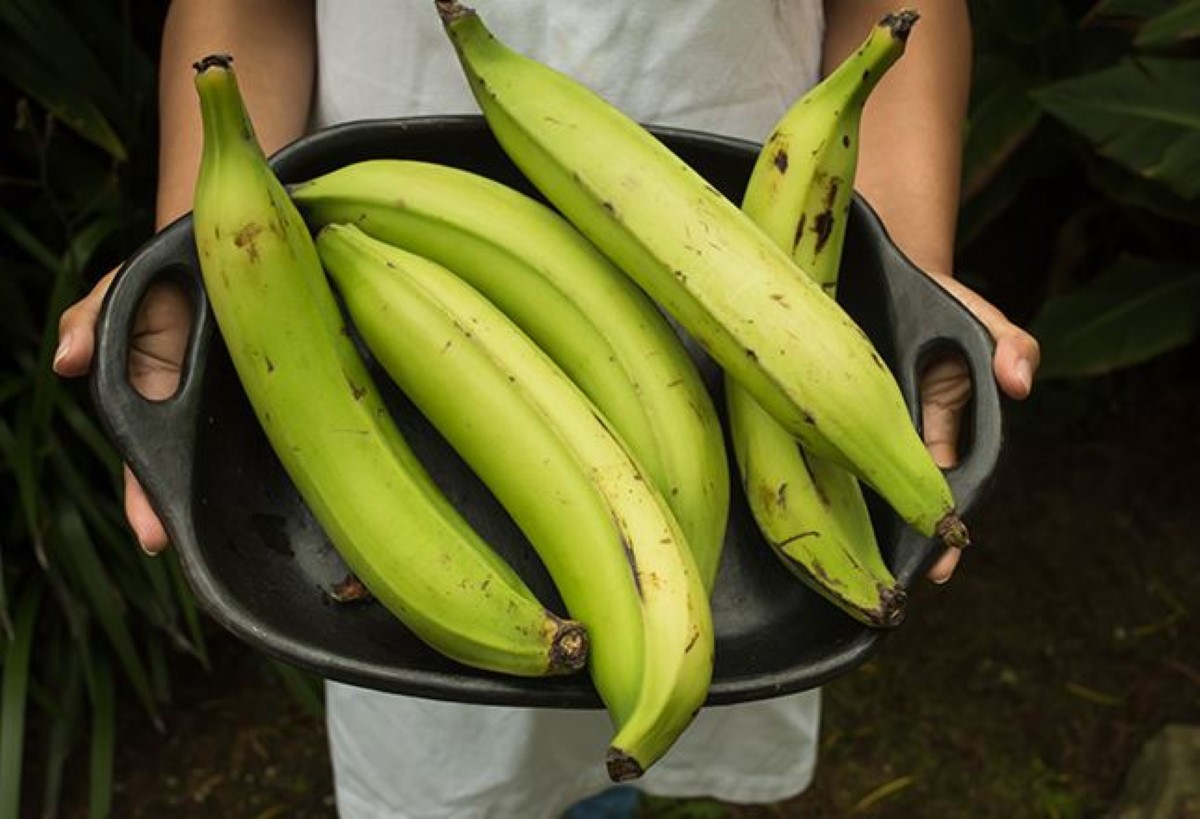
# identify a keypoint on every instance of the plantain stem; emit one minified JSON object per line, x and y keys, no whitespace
{"x":901,"y":23}
{"x":451,"y":11}
{"x":224,"y":61}
{"x":953,"y":532}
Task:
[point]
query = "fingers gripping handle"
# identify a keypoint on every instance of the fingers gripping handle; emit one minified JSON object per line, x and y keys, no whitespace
{"x":154,"y":437}
{"x":929,"y":321}
{"x":925,"y":320}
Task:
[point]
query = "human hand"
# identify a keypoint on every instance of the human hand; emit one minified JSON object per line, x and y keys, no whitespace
{"x":156,"y":350}
{"x":946,"y":388}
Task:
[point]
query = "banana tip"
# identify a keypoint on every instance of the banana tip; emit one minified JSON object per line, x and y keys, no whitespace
{"x":222,"y":61}
{"x":451,"y":10}
{"x":952,"y":532}
{"x":621,"y":766}
{"x":901,"y":22}
{"x":893,"y":607}
{"x":569,"y":652}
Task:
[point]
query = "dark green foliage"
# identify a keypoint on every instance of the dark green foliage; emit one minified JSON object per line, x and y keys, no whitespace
{"x":1083,"y":146}
{"x":82,"y":613}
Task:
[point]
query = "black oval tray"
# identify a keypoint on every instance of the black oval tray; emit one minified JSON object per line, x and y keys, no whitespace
{"x":261,"y":566}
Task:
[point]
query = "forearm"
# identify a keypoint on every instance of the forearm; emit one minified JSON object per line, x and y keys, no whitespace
{"x":911,"y":138}
{"x":273,"y":48}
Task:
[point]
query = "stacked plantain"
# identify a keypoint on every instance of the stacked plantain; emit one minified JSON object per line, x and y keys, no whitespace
{"x":536,"y":339}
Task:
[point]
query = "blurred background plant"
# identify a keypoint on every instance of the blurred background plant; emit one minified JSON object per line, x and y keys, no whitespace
{"x":82,"y":615}
{"x":1082,"y":199}
{"x":1082,"y":176}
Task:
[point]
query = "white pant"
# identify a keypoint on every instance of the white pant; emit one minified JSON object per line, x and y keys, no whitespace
{"x":397,"y":757}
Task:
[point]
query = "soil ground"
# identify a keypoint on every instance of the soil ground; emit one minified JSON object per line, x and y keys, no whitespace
{"x":1023,"y":688}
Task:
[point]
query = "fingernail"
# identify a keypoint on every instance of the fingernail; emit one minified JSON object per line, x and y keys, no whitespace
{"x":64,"y":347}
{"x":1025,"y":375}
{"x":146,"y":550}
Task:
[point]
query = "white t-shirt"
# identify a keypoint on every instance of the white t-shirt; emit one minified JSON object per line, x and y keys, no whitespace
{"x":724,"y":66}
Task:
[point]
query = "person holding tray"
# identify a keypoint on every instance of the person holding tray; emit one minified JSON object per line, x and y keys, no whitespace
{"x":718,"y":66}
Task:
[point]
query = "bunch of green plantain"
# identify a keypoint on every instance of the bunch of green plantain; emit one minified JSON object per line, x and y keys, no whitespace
{"x":537,"y":339}
{"x":811,"y":509}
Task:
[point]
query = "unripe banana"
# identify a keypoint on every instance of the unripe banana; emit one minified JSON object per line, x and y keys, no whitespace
{"x":591,"y":319}
{"x":323,"y":417}
{"x":605,"y":534}
{"x":707,"y":264}
{"x":810,"y":509}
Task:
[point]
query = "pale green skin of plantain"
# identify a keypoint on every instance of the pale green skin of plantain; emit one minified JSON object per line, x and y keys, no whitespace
{"x":707,"y":264}
{"x":323,"y":417}
{"x":810,"y":509}
{"x":605,"y":534}
{"x":588,"y":316}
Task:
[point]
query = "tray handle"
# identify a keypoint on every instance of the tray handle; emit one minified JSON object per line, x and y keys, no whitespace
{"x":927,"y":321}
{"x":155,"y":435}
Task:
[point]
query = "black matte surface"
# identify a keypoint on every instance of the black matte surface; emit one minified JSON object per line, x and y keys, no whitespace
{"x":261,"y":566}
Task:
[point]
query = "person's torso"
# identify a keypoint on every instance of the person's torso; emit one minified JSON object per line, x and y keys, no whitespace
{"x":723,"y":66}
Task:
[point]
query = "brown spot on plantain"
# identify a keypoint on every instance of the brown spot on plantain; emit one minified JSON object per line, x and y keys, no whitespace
{"x":780,"y":160}
{"x":247,"y":239}
{"x":817,"y":569}
{"x":824,"y":228}
{"x":798,"y":536}
{"x":812,"y":476}
{"x":631,"y":559}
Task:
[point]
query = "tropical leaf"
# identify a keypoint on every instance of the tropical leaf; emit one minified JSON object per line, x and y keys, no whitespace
{"x":1143,"y":114}
{"x":1002,"y":116}
{"x":78,"y":557}
{"x":14,"y":688}
{"x":64,"y":667}
{"x":103,"y":739}
{"x":1136,"y":310}
{"x":59,"y":96}
{"x":1176,"y":25}
{"x":1119,"y":185}
{"x":1027,"y":22}
{"x":306,"y":689}
{"x":1140,"y":9}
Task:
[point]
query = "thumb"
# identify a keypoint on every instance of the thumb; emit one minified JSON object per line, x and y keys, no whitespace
{"x":76,"y":331}
{"x":1017,"y":353}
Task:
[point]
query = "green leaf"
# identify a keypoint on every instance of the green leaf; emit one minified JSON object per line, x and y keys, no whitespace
{"x":187,"y":605}
{"x":59,"y":96}
{"x":1136,"y":310}
{"x":1120,"y":185}
{"x":1143,"y":114}
{"x":27,"y":241}
{"x":1025,"y":22}
{"x":305,"y":688}
{"x":1140,"y":9}
{"x":65,"y":723}
{"x":78,"y":557}
{"x":103,"y":740}
{"x":1173,"y":26}
{"x":1003,"y":115}
{"x":13,"y":699}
